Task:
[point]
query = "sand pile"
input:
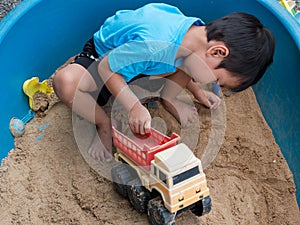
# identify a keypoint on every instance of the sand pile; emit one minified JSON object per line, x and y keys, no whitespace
{"x":46,"y":179}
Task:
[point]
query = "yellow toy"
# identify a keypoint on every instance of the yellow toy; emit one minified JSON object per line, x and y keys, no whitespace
{"x":289,"y":5}
{"x":32,"y":86}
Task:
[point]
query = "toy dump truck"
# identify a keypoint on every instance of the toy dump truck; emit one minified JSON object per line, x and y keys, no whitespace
{"x":159,"y":176}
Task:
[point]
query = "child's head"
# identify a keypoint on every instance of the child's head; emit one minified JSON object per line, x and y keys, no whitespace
{"x":251,"y":46}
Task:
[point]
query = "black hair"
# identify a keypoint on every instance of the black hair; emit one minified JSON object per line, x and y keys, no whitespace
{"x":251,"y":46}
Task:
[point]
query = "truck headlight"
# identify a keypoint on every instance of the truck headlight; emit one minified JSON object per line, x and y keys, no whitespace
{"x":180,"y":198}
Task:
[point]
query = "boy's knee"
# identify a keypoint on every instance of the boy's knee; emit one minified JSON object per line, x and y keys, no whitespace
{"x":63,"y":85}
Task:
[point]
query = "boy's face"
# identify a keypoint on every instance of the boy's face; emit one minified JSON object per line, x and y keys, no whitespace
{"x":226,"y":79}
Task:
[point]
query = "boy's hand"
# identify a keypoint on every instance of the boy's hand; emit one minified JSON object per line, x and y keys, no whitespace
{"x":208,"y":99}
{"x":139,"y":119}
{"x":213,"y":100}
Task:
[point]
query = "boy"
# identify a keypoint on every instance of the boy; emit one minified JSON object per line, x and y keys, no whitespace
{"x":157,"y":40}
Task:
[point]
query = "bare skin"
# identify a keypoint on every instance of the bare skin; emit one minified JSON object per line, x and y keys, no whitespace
{"x":72,"y":83}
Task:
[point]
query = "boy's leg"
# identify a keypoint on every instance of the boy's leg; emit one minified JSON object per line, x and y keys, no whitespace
{"x":72,"y":84}
{"x":176,"y":83}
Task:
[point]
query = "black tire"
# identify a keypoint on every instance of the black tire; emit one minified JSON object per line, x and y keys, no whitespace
{"x":121,"y":175}
{"x":138,"y":195}
{"x":202,"y":207}
{"x":158,"y":214}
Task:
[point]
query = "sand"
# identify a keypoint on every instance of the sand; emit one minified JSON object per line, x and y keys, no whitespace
{"x":49,"y":179}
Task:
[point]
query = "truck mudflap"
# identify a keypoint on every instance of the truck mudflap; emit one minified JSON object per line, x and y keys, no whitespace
{"x":201,"y":207}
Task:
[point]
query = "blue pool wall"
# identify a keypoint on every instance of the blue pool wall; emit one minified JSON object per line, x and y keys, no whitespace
{"x":39,"y":35}
{"x":278,"y":92}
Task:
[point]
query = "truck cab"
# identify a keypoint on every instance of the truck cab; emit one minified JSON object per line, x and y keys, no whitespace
{"x":179,"y":177}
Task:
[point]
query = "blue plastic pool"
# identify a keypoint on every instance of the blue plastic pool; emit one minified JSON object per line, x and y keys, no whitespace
{"x":39,"y":35}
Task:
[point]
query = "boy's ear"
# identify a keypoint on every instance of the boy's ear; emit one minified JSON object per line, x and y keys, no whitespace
{"x":219,"y":50}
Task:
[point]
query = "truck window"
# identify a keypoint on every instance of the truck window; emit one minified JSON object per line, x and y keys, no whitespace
{"x":163,"y":177}
{"x":185,"y":175}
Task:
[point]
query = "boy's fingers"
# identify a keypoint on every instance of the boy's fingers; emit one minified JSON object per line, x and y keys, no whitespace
{"x":208,"y":104}
{"x":141,"y":129}
{"x":215,"y":101}
{"x":133,"y":127}
{"x":147,"y":126}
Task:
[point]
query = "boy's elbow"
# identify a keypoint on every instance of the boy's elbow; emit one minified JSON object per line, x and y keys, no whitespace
{"x":104,"y":69}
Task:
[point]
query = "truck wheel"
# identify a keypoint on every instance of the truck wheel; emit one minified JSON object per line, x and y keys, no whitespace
{"x":158,"y":214}
{"x":138,"y":195}
{"x":121,"y":176}
{"x":202,"y":207}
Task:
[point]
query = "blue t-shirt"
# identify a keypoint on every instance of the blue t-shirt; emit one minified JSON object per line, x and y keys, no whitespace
{"x":143,"y":41}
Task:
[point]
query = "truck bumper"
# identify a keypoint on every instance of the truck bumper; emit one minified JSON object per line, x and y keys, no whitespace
{"x":188,"y":203}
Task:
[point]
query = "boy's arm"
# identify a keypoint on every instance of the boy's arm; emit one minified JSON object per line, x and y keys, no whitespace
{"x":195,"y":67}
{"x":139,"y":117}
{"x":183,"y":112}
{"x":206,"y":98}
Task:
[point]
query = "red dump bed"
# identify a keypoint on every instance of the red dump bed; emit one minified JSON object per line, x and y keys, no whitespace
{"x":141,"y":150}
